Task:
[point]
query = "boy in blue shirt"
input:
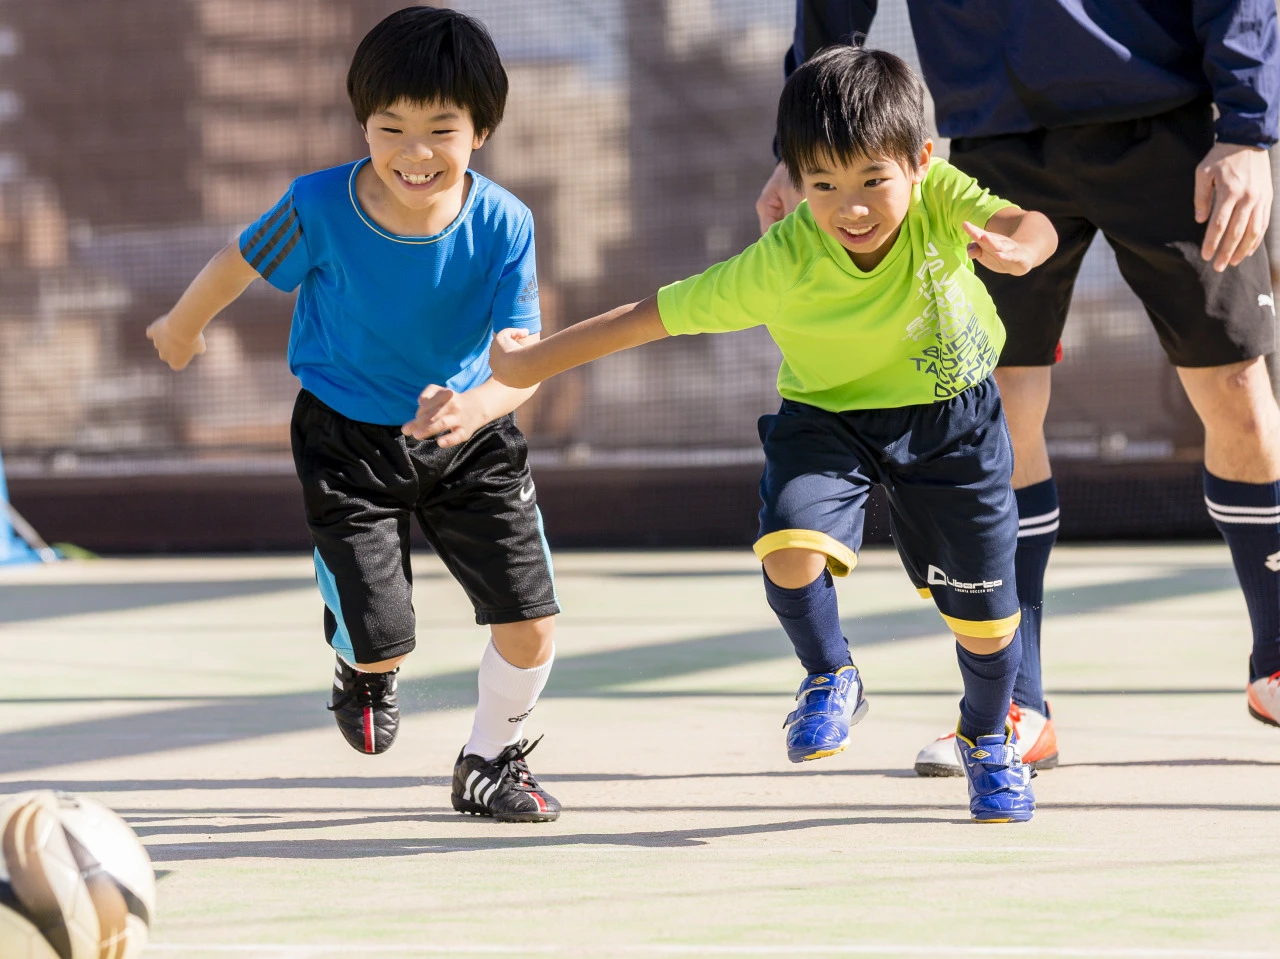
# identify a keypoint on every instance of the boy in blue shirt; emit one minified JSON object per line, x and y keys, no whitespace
{"x":408,"y":262}
{"x":888,"y":342}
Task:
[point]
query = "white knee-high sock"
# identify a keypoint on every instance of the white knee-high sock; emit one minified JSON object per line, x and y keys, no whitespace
{"x":507,"y":696}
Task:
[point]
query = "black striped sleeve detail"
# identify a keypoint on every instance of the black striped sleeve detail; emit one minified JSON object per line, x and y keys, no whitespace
{"x":266,"y":227}
{"x":290,"y":225}
{"x":282,"y":255}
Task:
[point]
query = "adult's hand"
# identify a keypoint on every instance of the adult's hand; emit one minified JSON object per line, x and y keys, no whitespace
{"x":777,"y":199}
{"x":1233,"y":195}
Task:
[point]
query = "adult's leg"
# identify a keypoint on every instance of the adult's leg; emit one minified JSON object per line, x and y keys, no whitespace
{"x":1025,"y":392}
{"x":1216,"y":328}
{"x":1036,"y":172}
{"x":1241,"y":419}
{"x":1242,"y":490}
{"x":1034,"y":309}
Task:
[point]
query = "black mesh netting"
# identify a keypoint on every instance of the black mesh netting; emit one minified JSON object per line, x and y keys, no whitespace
{"x":137,"y":136}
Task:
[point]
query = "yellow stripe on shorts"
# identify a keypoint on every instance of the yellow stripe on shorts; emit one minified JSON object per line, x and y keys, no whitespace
{"x":984,"y":628}
{"x":840,"y":558}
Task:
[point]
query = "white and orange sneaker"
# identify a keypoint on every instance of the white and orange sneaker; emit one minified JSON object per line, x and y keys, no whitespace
{"x":1037,"y":743}
{"x":1264,"y":699}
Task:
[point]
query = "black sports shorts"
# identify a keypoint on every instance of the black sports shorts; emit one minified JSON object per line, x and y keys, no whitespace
{"x":475,"y":502}
{"x":1134,"y":180}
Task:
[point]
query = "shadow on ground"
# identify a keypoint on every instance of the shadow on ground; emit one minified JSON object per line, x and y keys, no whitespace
{"x":597,"y":674}
{"x":379,"y":848}
{"x":22,"y":602}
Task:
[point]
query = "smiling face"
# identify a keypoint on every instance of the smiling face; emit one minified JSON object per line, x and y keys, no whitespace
{"x":420,"y":153}
{"x":862,"y":204}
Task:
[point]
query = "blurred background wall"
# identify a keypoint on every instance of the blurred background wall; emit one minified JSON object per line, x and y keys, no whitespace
{"x":138,"y":136}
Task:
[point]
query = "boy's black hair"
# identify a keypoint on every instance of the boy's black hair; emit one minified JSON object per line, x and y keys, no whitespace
{"x":425,"y":54}
{"x":849,"y":102}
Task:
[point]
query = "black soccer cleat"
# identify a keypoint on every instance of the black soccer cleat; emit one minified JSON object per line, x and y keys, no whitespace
{"x":366,"y":708}
{"x":503,"y":788}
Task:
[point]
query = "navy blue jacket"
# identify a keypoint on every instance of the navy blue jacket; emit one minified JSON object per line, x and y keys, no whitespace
{"x":1010,"y":66}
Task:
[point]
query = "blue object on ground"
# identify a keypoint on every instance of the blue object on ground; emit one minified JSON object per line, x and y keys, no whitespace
{"x":13,"y":548}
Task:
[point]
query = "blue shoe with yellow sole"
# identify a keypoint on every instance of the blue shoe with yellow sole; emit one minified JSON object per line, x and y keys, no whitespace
{"x":829,"y":703}
{"x":999,"y":782}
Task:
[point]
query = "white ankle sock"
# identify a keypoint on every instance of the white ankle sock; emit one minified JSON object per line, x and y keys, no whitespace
{"x":507,"y":696}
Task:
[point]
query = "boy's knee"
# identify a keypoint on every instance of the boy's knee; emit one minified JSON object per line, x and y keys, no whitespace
{"x":525,"y":644}
{"x":985,"y":645}
{"x":794,"y":558}
{"x":794,"y":568}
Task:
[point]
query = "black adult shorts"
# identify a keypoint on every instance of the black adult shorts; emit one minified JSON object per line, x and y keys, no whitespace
{"x":1134,"y":180}
{"x":947,"y":468}
{"x":476,"y":504}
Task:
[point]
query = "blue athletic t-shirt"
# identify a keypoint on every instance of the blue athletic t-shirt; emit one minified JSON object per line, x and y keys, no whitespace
{"x":380,"y":317}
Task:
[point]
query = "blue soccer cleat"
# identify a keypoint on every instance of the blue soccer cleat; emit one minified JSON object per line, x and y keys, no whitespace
{"x":999,"y":783}
{"x":829,"y":704}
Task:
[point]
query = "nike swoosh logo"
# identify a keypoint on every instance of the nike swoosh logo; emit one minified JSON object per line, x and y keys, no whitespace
{"x":526,"y":494}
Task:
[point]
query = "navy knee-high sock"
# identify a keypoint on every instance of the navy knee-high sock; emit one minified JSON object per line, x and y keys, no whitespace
{"x":1248,"y":515}
{"x":811,"y":618}
{"x":1037,"y":532}
{"x":988,"y":686}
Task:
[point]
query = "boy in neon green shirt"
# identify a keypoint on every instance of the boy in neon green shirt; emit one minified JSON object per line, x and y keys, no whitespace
{"x":888,"y":341}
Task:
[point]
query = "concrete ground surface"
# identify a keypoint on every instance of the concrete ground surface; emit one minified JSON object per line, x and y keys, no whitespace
{"x":189,"y":695}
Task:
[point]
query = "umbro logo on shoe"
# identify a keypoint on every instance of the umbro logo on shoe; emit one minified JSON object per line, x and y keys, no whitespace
{"x":1273,"y":562}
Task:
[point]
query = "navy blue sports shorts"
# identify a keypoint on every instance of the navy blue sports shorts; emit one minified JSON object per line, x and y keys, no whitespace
{"x":947,"y":469}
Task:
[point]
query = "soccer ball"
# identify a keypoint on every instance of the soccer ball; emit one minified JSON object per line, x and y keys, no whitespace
{"x":75,"y":883}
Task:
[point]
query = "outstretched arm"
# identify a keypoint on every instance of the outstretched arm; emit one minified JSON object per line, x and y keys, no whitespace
{"x":1014,"y":241}
{"x":520,"y":364}
{"x":179,"y":334}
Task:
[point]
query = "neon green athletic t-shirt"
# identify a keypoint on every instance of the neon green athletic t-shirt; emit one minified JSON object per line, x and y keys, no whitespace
{"x":919,"y":328}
